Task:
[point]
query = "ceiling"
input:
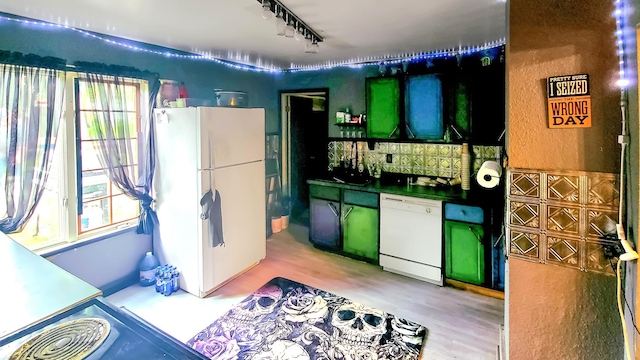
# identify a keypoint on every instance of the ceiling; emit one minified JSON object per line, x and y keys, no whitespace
{"x":234,"y":29}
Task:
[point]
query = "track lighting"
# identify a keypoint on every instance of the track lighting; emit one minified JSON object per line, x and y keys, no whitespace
{"x":289,"y":25}
{"x":267,"y":14}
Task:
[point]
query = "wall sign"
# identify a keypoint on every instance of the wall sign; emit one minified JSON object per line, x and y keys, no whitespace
{"x":569,"y":101}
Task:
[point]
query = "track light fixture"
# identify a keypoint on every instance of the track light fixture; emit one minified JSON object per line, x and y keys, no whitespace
{"x":289,"y":25}
{"x":289,"y":30}
{"x":267,"y":14}
{"x":299,"y":35}
{"x":280,"y":23}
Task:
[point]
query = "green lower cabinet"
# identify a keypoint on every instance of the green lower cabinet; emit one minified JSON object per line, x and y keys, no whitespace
{"x":464,"y":252}
{"x":361,"y":232}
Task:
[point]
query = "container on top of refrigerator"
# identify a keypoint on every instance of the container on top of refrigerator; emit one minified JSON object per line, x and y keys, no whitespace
{"x":231,"y":98}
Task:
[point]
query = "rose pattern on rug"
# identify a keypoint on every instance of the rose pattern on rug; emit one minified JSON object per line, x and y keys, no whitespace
{"x":288,"y":320}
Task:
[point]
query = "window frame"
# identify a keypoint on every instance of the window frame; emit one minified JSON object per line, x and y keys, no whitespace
{"x":138,"y":85}
{"x":69,"y":182}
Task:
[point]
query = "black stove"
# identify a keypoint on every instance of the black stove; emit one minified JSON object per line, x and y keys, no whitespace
{"x":94,"y":330}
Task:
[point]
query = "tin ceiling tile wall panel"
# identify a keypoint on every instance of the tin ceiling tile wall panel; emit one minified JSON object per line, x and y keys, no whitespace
{"x":563,"y":188}
{"x":562,"y":218}
{"x":523,"y":214}
{"x":524,"y":244}
{"x":418,"y":149}
{"x":595,"y":261}
{"x":602,"y":223}
{"x":525,"y":184}
{"x":603,"y":190}
{"x":563,"y":251}
{"x":478,"y":151}
{"x":445,"y":150}
{"x":457,"y":150}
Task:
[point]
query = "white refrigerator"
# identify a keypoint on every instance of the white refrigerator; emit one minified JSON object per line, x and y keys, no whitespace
{"x":220,"y":151}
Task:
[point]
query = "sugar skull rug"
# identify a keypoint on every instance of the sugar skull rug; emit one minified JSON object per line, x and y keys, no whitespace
{"x":288,"y":320}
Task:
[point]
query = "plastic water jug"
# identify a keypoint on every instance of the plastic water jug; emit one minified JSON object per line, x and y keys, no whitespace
{"x":147,"y":268}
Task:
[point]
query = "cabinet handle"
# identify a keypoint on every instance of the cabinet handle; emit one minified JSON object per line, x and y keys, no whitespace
{"x":347,"y":213}
{"x":502,"y":134}
{"x":463,"y":213}
{"x":428,"y":210}
{"x":394,"y":131}
{"x":476,"y":235}
{"x":410,"y":132}
{"x":456,"y":131}
{"x":333,"y":209}
{"x":495,"y":245}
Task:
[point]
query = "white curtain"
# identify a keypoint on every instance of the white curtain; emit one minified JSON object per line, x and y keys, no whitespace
{"x":31,"y":109}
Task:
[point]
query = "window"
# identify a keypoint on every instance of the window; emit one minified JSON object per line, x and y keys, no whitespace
{"x":102,"y":203}
{"x":79,"y":200}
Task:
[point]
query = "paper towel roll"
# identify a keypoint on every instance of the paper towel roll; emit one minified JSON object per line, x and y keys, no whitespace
{"x":489,"y":174}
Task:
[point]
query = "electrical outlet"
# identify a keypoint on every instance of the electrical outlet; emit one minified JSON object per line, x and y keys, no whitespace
{"x":389,"y":158}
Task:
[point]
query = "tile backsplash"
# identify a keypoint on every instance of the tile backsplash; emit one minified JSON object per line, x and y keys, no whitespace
{"x":443,"y":160}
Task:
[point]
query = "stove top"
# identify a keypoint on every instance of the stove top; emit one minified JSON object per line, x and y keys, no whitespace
{"x":94,"y":330}
{"x":73,"y":339}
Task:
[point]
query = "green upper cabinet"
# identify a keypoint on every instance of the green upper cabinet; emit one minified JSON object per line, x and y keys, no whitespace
{"x":383,"y":108}
{"x":461,"y":109}
{"x":361,"y":231}
{"x":423,"y":107}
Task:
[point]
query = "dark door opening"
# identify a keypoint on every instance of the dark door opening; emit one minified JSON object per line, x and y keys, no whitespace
{"x":308,"y":140}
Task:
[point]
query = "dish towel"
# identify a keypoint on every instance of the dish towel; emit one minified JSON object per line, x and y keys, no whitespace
{"x":212,"y":211}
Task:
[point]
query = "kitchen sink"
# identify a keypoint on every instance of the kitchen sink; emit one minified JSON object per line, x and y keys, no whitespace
{"x":353,"y":180}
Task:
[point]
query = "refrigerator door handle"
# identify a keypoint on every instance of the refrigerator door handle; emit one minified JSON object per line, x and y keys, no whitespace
{"x":210,"y":169}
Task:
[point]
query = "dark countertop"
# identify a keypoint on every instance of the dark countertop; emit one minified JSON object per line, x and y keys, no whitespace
{"x":452,"y":194}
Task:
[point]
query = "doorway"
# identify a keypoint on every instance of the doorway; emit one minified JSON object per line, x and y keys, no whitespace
{"x":305,"y":133}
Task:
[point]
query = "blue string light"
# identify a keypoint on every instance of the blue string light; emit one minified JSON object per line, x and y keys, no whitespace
{"x":352,"y":63}
{"x":620,"y":14}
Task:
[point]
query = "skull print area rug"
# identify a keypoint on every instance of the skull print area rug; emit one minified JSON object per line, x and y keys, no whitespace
{"x":288,"y":320}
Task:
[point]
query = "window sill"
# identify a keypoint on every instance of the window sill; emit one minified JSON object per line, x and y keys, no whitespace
{"x":63,"y":247}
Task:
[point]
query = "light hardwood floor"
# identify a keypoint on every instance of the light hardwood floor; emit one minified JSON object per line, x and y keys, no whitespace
{"x":461,"y":325}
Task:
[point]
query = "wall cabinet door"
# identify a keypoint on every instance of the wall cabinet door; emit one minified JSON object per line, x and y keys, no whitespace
{"x":361,"y":231}
{"x":488,"y":105}
{"x":423,"y":108}
{"x":460,"y":108}
{"x":464,"y":252}
{"x":324,"y":221}
{"x":383,"y":108}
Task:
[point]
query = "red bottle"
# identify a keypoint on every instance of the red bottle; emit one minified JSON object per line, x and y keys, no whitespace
{"x":182,"y":94}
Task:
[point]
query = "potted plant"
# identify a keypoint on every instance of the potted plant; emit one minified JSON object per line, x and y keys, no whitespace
{"x":276,"y":218}
{"x":285,"y":212}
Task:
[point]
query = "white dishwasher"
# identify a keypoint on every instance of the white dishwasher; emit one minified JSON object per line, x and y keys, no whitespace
{"x":411,"y":237}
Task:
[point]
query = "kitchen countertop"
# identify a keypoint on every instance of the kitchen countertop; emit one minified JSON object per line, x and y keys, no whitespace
{"x":34,"y":289}
{"x":455,"y":194}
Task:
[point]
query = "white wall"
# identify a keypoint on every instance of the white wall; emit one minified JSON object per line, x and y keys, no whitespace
{"x":105,"y":261}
